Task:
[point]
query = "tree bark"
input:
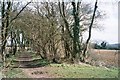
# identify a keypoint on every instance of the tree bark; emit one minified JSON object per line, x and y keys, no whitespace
{"x":76,"y":31}
{"x":2,"y":28}
{"x":89,"y":36}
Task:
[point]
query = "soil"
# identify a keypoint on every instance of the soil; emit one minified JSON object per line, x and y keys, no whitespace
{"x":40,"y":72}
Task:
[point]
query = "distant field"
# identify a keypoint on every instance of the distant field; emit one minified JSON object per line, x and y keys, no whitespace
{"x":104,"y":57}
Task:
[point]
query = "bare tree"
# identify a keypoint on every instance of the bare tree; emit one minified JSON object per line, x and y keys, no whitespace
{"x":90,"y":28}
{"x":77,"y":29}
{"x":57,"y":29}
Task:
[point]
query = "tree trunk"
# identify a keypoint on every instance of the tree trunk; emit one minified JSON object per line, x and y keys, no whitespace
{"x":2,"y":29}
{"x":76,"y":31}
{"x":90,"y":28}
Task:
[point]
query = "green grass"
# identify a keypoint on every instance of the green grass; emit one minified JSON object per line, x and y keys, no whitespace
{"x":64,"y":70}
{"x":68,"y":71}
{"x":83,"y":71}
{"x":14,"y":73}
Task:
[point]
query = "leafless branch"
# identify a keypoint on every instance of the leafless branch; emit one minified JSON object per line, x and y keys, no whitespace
{"x":20,"y":11}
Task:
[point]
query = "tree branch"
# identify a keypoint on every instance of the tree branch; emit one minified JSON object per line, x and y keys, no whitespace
{"x":90,"y":27}
{"x":20,"y":11}
{"x":63,"y":16}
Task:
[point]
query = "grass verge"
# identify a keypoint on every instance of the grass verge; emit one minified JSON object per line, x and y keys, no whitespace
{"x":14,"y":73}
{"x":81,"y":71}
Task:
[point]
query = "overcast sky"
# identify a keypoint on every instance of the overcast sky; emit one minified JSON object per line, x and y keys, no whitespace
{"x":110,"y":23}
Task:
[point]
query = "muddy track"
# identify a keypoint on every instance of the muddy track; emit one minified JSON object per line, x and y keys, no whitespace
{"x":40,"y":72}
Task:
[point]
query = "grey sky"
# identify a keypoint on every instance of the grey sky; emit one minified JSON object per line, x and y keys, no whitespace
{"x":110,"y":23}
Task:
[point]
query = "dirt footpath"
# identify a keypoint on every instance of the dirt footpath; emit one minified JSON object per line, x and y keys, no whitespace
{"x":35,"y":72}
{"x":40,"y":72}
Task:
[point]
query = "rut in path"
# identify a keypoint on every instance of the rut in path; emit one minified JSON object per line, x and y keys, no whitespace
{"x":26,"y":60}
{"x":39,"y":72}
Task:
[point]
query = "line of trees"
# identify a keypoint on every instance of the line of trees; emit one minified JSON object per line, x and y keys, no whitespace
{"x":54,"y":29}
{"x":7,"y":18}
{"x":106,"y":45}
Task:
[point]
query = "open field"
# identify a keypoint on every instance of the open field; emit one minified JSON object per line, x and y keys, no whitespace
{"x":106,"y":58}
